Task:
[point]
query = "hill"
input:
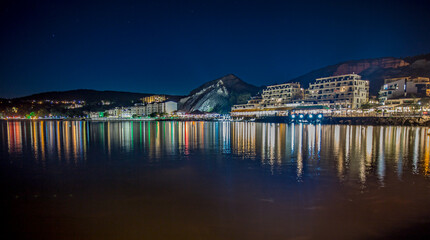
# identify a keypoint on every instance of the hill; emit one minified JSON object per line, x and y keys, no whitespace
{"x":91,"y":96}
{"x":218,"y":95}
{"x":374,"y":70}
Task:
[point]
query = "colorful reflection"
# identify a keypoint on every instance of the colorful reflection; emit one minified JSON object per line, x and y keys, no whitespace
{"x":349,"y":153}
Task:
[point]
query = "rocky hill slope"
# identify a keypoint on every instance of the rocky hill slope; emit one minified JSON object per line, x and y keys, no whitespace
{"x":218,"y":95}
{"x":374,"y":70}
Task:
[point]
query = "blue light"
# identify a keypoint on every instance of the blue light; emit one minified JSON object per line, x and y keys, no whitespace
{"x":319,"y":115}
{"x":293,"y":116}
{"x":310,"y":116}
{"x":301,"y":116}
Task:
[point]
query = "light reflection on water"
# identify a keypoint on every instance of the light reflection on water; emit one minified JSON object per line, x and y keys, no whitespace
{"x":354,"y":152}
{"x":213,"y":180}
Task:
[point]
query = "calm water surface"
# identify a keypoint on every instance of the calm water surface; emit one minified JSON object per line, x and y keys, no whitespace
{"x":213,"y":180}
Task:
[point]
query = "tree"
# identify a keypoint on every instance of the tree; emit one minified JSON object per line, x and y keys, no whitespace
{"x":30,"y":115}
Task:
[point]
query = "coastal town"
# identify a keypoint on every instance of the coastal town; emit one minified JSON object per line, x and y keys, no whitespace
{"x":344,"y":95}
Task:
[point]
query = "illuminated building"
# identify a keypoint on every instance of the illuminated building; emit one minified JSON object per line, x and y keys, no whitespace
{"x":281,"y":94}
{"x":403,"y":87}
{"x":139,"y":110}
{"x":343,"y":91}
{"x":96,"y":114}
{"x":115,"y":112}
{"x":154,"y":98}
{"x":105,"y":102}
{"x":252,"y":105}
{"x":161,"y":107}
{"x":273,"y":99}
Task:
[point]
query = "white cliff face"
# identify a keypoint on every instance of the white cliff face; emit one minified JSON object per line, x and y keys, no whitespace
{"x":213,"y":96}
{"x":212,"y":99}
{"x":206,"y":99}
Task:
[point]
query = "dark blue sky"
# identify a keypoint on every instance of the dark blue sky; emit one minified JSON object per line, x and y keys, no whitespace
{"x":174,"y":46}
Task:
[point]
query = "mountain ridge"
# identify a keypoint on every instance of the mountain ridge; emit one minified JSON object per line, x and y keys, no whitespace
{"x":373,"y":69}
{"x":89,"y":95}
{"x":220,"y":94}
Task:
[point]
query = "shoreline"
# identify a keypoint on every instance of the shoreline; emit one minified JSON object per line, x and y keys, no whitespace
{"x":370,"y":121}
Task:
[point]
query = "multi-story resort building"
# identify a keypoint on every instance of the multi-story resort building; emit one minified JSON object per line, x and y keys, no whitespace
{"x":339,"y":92}
{"x":279,"y":95}
{"x":252,"y":105}
{"x":160,"y":107}
{"x":404,"y":87}
{"x":274,"y":98}
{"x":336,"y":92}
{"x":167,"y":107}
{"x":154,"y":98}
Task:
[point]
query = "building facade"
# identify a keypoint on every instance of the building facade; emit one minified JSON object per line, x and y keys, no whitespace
{"x":167,"y":107}
{"x":339,"y":92}
{"x":252,"y":105}
{"x":154,"y":98}
{"x":140,"y":110}
{"x":275,"y":99}
{"x":279,"y":95}
{"x":404,"y":87}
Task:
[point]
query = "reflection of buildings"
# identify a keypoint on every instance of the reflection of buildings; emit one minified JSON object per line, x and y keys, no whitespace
{"x":14,"y":137}
{"x":350,"y":153}
{"x":243,"y":138}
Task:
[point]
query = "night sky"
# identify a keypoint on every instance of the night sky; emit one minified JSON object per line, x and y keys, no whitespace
{"x":174,"y":46}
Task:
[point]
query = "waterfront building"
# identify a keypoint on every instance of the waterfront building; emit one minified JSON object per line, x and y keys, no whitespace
{"x":155,"y":107}
{"x":339,"y":92}
{"x":404,"y":87}
{"x":403,"y":105}
{"x":253,"y":104}
{"x":279,"y":95}
{"x":120,"y":112}
{"x":114,"y":112}
{"x":138,"y":110}
{"x":161,"y":107}
{"x":274,"y":100}
{"x":96,"y":114}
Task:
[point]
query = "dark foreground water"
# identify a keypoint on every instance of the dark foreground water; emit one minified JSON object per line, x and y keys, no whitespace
{"x":213,"y":180}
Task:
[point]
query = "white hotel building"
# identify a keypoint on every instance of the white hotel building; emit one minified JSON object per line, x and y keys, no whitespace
{"x":279,"y":95}
{"x":339,"y":92}
{"x":274,"y":99}
{"x":143,"y":110}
